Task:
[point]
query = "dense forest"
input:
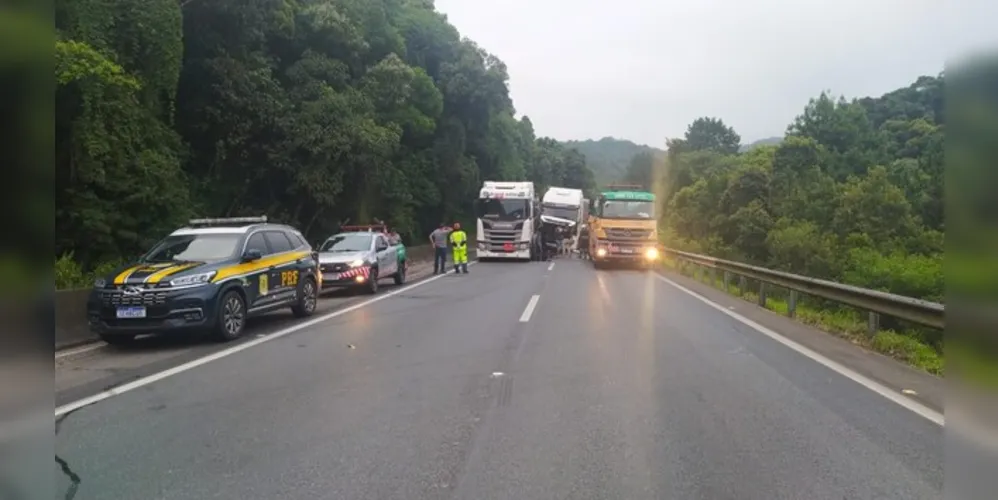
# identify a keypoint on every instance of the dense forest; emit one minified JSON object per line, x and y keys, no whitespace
{"x":309,"y":111}
{"x":853,"y":192}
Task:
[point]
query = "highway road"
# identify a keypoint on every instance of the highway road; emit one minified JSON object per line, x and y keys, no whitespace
{"x":515,"y":382}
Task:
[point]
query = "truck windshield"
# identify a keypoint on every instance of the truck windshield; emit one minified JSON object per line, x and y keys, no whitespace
{"x":349,"y":242}
{"x":561,"y":211}
{"x":194,"y":247}
{"x":614,"y":209}
{"x":502,"y":209}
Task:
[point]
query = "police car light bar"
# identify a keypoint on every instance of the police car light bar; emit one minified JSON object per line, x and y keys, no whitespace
{"x":227,"y":221}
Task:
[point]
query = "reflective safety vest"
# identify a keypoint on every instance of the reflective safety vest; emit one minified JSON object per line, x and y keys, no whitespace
{"x":458,"y":238}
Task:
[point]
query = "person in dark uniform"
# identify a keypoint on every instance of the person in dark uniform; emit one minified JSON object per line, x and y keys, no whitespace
{"x":584,"y":241}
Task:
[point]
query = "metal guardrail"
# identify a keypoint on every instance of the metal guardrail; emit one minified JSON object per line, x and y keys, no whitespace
{"x":921,"y":312}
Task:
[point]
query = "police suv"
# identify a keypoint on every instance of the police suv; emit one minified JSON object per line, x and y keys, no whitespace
{"x":212,"y":275}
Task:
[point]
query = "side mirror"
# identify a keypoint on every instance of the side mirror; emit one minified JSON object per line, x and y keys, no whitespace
{"x":252,"y":254}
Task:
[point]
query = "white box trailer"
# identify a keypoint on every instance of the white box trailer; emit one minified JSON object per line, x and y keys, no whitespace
{"x":507,"y":223}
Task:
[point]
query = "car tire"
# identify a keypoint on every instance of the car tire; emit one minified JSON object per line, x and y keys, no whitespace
{"x":372,"y":281}
{"x":308,"y":298}
{"x":230,"y":319}
{"x":399,"y":276}
{"x":117,"y":340}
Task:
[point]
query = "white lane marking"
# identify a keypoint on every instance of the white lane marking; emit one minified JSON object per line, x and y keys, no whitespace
{"x":121,"y":389}
{"x":80,"y":350}
{"x":551,"y":266}
{"x":912,"y":405}
{"x":529,"y":310}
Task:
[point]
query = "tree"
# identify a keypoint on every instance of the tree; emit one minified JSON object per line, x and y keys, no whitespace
{"x":711,"y":134}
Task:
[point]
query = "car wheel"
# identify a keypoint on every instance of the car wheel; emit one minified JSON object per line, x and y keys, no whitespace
{"x":117,"y":340}
{"x":308,"y":297}
{"x":400,"y":275}
{"x":372,"y":281}
{"x":231,"y":316}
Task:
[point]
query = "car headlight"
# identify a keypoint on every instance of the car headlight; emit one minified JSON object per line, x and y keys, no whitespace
{"x":357,"y":263}
{"x":194,"y":279}
{"x":100,"y":283}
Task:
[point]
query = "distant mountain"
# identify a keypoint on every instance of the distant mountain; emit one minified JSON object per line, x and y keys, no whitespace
{"x":761,"y":142}
{"x":608,"y":157}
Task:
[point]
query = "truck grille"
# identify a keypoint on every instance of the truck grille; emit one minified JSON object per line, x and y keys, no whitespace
{"x":628,"y":234}
{"x":145,"y":298}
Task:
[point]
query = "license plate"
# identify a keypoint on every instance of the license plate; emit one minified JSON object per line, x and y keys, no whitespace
{"x":508,"y":247}
{"x":334,"y":277}
{"x":132,"y":312}
{"x":626,"y":250}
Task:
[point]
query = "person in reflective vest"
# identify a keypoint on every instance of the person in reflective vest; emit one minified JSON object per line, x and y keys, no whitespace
{"x":459,"y":245}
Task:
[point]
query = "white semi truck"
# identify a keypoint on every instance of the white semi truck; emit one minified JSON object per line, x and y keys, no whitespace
{"x":564,"y":209}
{"x":507,"y":221}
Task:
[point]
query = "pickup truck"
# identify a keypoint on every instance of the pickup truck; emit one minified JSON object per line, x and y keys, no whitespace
{"x":359,"y":259}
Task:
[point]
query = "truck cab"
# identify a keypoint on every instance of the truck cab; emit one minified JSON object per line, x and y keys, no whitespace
{"x":623,"y":227}
{"x":507,"y":221}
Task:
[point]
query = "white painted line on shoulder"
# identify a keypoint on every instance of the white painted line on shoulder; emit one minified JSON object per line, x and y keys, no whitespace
{"x":551,"y":266}
{"x":908,"y":403}
{"x":135,"y":384}
{"x":80,"y":350}
{"x":529,"y":310}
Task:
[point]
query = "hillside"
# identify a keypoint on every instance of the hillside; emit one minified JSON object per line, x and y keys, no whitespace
{"x":608,"y":157}
{"x":769,"y":141}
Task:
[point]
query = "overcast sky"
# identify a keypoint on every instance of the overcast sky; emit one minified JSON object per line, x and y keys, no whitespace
{"x":644,"y":69}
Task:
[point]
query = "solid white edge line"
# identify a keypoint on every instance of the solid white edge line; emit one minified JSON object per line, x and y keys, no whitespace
{"x":80,"y":350}
{"x":911,"y":405}
{"x":551,"y":266}
{"x":135,"y":384}
{"x":529,"y":310}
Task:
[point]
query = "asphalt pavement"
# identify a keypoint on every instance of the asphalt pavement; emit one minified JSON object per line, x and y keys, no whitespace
{"x":517,"y":381}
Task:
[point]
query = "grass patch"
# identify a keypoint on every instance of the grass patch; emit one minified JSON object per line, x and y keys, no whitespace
{"x":848,"y":324}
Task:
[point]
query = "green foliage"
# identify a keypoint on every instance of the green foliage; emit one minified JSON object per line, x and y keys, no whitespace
{"x":310,"y":112}
{"x":853,"y":193}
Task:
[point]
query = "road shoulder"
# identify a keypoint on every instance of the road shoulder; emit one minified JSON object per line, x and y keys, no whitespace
{"x":928,"y":389}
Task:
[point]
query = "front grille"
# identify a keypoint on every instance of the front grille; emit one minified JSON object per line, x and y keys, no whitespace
{"x":145,"y":298}
{"x":628,"y":234}
{"x":502,"y":235}
{"x":333,"y":268}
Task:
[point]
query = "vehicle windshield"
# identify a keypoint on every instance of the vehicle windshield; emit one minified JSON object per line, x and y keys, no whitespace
{"x":615,"y":209}
{"x":499,"y":209}
{"x":561,"y":211}
{"x":194,"y":248}
{"x":350,"y":242}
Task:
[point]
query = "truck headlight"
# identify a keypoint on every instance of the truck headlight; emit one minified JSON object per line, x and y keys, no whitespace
{"x":100,"y":283}
{"x":601,"y":252}
{"x":651,"y":253}
{"x":357,"y":263}
{"x":194,"y":279}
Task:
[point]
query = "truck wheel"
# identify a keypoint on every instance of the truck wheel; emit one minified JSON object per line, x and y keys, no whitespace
{"x":399,"y":277}
{"x":308,"y":296}
{"x":372,"y":281}
{"x":231,"y":316}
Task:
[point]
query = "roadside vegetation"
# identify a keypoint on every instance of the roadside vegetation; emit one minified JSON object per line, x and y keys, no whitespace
{"x":852,"y":193}
{"x":310,"y":112}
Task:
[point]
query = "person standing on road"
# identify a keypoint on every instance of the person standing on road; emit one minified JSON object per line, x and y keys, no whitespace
{"x":459,"y":242}
{"x":438,"y":238}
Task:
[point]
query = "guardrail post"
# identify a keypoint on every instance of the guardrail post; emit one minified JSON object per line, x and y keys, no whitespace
{"x":727,"y":282}
{"x":762,"y":294}
{"x":792,"y":304}
{"x":713,"y":277}
{"x":742,"y":286}
{"x":872,"y":323}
